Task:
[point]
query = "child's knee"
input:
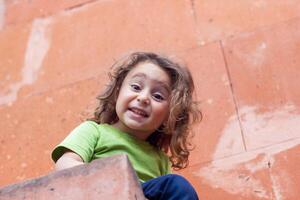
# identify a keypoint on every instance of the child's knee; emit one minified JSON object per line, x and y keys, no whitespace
{"x":182,"y":187}
{"x":171,"y":186}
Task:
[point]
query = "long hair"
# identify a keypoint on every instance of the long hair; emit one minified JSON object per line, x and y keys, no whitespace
{"x":172,"y":136}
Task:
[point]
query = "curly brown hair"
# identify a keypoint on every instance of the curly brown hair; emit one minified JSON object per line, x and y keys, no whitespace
{"x":174,"y":133}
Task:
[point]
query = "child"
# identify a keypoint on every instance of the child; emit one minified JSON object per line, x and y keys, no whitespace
{"x":145,"y":112}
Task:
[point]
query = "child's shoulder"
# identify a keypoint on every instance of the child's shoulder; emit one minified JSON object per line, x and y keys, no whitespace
{"x":92,"y":124}
{"x":90,"y":127}
{"x":163,"y":155}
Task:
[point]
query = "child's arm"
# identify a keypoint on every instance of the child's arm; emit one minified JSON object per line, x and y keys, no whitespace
{"x":67,"y":160}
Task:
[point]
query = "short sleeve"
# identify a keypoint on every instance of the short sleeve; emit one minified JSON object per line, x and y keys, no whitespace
{"x":169,"y":170}
{"x":82,"y":140}
{"x":166,"y":164}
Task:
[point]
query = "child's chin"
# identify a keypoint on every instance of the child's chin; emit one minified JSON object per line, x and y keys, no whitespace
{"x":138,"y":127}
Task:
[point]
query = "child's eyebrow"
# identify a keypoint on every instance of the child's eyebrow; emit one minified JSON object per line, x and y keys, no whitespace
{"x":164,"y":85}
{"x":139,"y":75}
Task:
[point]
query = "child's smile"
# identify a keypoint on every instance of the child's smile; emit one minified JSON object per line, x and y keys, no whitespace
{"x":138,"y":112}
{"x":143,"y":101}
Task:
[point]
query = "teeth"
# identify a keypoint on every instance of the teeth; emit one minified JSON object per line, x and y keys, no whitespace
{"x":139,"y":112}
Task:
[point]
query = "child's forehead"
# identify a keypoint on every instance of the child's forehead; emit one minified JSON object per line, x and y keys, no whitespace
{"x":149,"y":71}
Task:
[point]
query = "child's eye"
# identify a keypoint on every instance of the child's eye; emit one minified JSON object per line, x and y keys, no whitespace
{"x":135,"y":87}
{"x":158,"y":97}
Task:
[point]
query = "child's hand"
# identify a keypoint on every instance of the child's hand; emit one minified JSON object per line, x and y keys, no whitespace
{"x":67,"y":160}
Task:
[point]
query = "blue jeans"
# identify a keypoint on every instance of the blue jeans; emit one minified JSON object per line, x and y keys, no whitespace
{"x":169,"y":187}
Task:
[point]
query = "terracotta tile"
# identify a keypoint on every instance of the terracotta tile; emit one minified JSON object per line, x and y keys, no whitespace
{"x":219,"y":19}
{"x":81,"y":43}
{"x":219,"y":134}
{"x":100,"y":179}
{"x":35,"y":125}
{"x":285,"y":172}
{"x":264,"y":67}
{"x":20,"y":11}
{"x":247,"y":175}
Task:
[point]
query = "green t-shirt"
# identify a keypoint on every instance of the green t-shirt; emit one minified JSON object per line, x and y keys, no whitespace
{"x":91,"y":141}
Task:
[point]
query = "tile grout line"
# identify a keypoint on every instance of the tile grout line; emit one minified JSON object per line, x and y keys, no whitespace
{"x":238,"y":33}
{"x":39,"y":93}
{"x":71,"y":84}
{"x":232,"y":94}
{"x":79,"y":5}
{"x":192,"y":2}
{"x":241,"y":153}
{"x":51,"y":14}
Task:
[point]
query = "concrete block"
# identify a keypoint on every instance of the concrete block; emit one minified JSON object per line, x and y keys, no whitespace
{"x":269,"y":173}
{"x":107,"y":178}
{"x":20,"y":11}
{"x":220,"y":19}
{"x":33,"y":126}
{"x":214,"y":135}
{"x":264,"y":69}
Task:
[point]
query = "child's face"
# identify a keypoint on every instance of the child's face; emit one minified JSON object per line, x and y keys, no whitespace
{"x":143,"y":101}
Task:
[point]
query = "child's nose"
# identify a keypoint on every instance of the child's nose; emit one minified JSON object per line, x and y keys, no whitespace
{"x":143,"y":98}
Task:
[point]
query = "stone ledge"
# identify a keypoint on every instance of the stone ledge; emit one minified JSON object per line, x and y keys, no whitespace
{"x":107,"y":178}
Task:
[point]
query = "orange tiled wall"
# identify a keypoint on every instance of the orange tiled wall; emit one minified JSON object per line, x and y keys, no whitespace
{"x":245,"y":59}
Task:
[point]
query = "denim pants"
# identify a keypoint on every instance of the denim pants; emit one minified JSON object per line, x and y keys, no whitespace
{"x":169,"y":187}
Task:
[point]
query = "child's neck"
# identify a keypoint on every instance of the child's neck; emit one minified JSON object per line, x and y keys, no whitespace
{"x":139,"y":134}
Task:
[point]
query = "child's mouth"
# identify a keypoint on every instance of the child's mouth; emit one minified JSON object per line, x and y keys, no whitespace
{"x":138,"y":112}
